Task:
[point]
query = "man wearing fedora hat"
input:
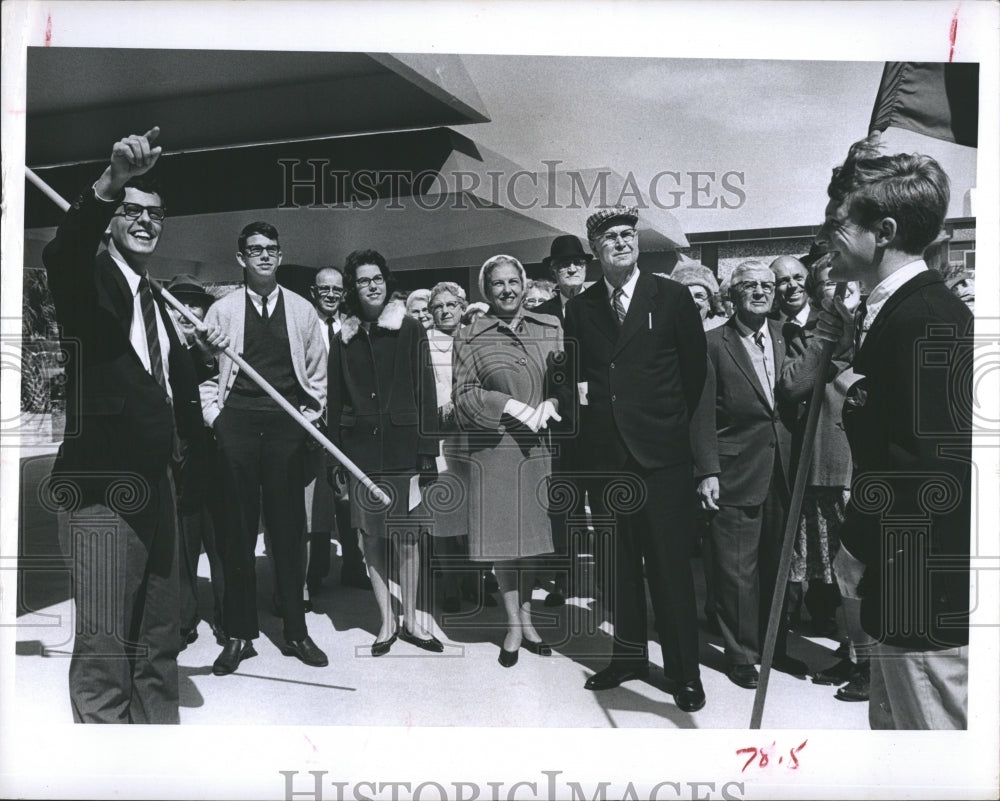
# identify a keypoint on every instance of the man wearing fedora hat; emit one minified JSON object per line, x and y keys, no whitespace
{"x":637,"y":343}
{"x":567,"y":261}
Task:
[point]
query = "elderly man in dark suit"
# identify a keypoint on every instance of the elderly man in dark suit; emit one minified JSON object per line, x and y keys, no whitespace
{"x":909,"y":425}
{"x":639,"y":351}
{"x":131,"y":389}
{"x":567,"y":261}
{"x":742,"y":438}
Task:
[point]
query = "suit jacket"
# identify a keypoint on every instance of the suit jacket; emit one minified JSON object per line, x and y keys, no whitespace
{"x":305,"y":340}
{"x":643,"y":380}
{"x":736,"y":434}
{"x":554,"y":307}
{"x":909,"y":425}
{"x":119,"y":420}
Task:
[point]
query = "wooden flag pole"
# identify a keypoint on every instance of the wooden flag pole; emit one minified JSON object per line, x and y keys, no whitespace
{"x":314,"y":432}
{"x":792,"y":526}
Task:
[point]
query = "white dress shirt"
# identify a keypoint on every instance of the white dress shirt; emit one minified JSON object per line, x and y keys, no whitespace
{"x":628,"y":288}
{"x":258,"y":300}
{"x":137,"y":332}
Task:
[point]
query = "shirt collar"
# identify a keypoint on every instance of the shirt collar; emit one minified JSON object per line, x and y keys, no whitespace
{"x":131,"y":276}
{"x":260,"y":298}
{"x":888,"y":286}
{"x":748,"y":333}
{"x":628,"y":287}
{"x":800,"y":319}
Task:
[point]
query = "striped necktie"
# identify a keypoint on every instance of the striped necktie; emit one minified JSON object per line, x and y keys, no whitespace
{"x":617,"y":305}
{"x":859,"y":324}
{"x":152,"y":332}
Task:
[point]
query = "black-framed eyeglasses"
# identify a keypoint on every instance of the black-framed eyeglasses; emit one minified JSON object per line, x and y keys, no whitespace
{"x":450,"y":305}
{"x":133,"y":211}
{"x":364,"y":283}
{"x":611,"y":237}
{"x":767,"y":287}
{"x":329,"y":291}
{"x":255,"y":251}
{"x":576,"y":264}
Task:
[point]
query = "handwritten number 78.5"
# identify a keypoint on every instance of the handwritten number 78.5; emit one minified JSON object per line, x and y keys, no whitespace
{"x":765,"y":755}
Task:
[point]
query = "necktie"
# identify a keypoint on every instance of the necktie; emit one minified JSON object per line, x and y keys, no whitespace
{"x":617,"y":305}
{"x":859,"y":324}
{"x":152,"y":332}
{"x":263,"y":309}
{"x":764,"y":371}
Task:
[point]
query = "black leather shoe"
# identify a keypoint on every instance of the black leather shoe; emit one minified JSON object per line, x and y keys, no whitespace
{"x":306,"y":651}
{"x":234,"y":652}
{"x":859,"y":687}
{"x":613,"y":675}
{"x":188,"y":637}
{"x":219,"y":633}
{"x":382,"y":648}
{"x":836,"y":674}
{"x":434,"y":645}
{"x":507,"y":658}
{"x":791,"y":666}
{"x":689,"y":695}
{"x":540,"y":648}
{"x":555,"y":599}
{"x":744,"y":676}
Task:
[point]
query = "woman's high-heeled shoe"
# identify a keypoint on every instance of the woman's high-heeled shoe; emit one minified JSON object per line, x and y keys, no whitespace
{"x":382,"y":648}
{"x":540,"y":648}
{"x":507,"y":658}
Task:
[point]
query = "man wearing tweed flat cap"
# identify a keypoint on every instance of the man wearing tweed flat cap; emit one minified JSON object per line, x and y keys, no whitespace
{"x":637,"y":343}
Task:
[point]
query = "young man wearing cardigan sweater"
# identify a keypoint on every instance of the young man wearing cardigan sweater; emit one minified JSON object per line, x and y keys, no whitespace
{"x":260,"y":447}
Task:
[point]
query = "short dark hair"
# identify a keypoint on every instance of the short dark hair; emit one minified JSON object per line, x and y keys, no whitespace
{"x":910,"y":188}
{"x":148,"y":183}
{"x":254,"y":228}
{"x":359,"y":258}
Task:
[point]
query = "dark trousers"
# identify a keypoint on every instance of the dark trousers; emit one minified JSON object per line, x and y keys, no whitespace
{"x":746,"y":549}
{"x":654,"y":526}
{"x":124,"y":561}
{"x":260,"y":458}
{"x":198,"y":511}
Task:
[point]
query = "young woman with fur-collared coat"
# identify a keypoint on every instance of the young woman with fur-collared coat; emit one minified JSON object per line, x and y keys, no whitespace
{"x":383,"y":414}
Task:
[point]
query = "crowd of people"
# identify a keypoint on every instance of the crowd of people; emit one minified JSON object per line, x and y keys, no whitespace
{"x":663,"y":414}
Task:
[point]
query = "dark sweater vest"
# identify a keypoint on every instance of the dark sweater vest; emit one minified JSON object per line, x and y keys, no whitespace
{"x":266,"y":348}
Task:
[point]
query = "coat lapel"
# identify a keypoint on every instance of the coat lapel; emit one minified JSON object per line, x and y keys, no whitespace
{"x":738,"y":353}
{"x":117,"y":296}
{"x":638,"y":310}
{"x":778,"y":345}
{"x":917,"y":282}
{"x":600,"y":310}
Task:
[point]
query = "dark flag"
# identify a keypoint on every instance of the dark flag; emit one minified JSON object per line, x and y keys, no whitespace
{"x":930,"y":98}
